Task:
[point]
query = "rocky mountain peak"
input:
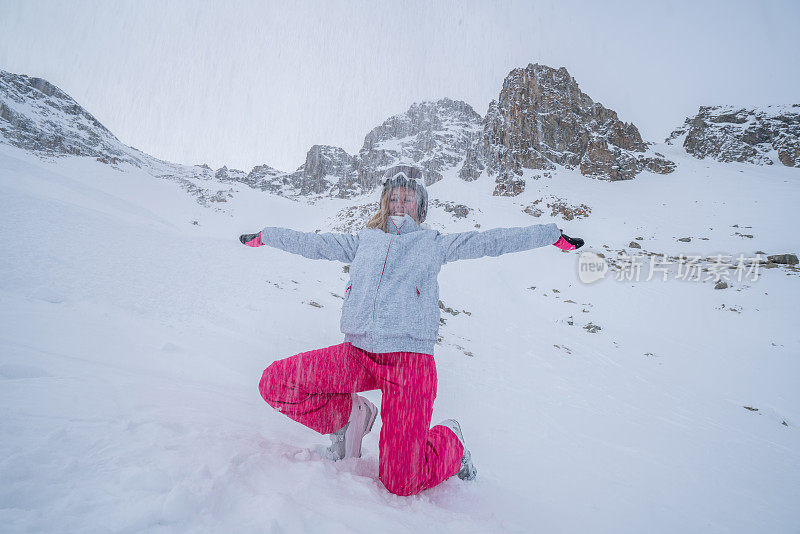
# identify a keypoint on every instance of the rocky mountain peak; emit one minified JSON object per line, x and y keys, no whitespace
{"x":543,"y":119}
{"x":421,"y":118}
{"x":433,"y":135}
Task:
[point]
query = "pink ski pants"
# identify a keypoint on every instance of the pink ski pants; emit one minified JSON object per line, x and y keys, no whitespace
{"x":314,"y":388}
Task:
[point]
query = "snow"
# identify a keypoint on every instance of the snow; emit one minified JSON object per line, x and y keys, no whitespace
{"x":132,"y":341}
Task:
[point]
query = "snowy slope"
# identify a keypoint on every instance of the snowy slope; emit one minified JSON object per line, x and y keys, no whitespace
{"x":132,"y":341}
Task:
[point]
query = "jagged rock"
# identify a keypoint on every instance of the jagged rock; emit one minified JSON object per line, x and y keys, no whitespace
{"x":473,"y":165}
{"x":634,"y":244}
{"x":658,"y":165}
{"x":726,"y":134}
{"x":266,"y":178}
{"x":326,"y":167}
{"x":783,"y":259}
{"x":222,"y":173}
{"x":542,"y":119}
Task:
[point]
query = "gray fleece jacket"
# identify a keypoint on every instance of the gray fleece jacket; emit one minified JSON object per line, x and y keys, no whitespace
{"x":391,"y":301}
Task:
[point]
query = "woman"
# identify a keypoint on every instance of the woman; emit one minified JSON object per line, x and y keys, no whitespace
{"x":390,"y":321}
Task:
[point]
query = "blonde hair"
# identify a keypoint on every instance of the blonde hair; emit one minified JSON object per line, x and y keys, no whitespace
{"x":379,"y":219}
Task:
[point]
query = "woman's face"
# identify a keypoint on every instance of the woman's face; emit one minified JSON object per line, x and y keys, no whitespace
{"x":403,"y":200}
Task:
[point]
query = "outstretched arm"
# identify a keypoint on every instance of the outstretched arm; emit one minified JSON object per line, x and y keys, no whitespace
{"x":327,"y":246}
{"x":497,"y":241}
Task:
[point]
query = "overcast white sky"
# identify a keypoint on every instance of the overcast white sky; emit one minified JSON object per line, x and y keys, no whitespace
{"x":248,"y":83}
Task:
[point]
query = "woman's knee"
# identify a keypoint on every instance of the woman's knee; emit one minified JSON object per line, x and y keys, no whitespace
{"x":400,"y":470}
{"x":400,"y":484}
{"x":270,"y":384}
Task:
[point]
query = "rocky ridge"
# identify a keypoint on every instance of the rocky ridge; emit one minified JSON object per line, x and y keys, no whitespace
{"x":436,"y":136}
{"x":540,"y":121}
{"x":763,"y":136}
{"x":534,"y":126}
{"x":36,"y":115}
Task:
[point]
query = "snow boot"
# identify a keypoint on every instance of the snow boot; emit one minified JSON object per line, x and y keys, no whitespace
{"x":467,"y":471}
{"x":346,"y":442}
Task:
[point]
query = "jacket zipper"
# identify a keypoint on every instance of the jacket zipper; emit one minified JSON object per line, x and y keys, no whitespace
{"x":375,"y":300}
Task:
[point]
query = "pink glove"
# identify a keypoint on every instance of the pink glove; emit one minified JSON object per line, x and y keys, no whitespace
{"x":251,"y":240}
{"x":566,"y":242}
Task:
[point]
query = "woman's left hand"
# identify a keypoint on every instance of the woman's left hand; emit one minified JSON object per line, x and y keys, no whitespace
{"x":566,"y":242}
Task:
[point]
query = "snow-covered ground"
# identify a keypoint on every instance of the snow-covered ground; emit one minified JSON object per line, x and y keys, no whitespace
{"x":134,"y":328}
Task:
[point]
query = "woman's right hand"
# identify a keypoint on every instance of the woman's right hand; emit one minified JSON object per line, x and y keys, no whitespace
{"x":251,"y":240}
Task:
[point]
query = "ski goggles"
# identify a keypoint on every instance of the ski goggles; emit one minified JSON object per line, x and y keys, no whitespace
{"x":401,"y":175}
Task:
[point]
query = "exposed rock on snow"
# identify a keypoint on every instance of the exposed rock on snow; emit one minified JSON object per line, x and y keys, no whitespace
{"x":763,"y":136}
{"x":459,"y":211}
{"x":354,"y":218}
{"x":784,"y":259}
{"x":592,"y":328}
{"x":558,"y":206}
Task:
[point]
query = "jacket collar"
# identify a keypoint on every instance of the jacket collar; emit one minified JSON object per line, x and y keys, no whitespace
{"x":408,"y":225}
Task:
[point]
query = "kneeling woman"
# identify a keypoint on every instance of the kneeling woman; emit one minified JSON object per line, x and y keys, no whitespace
{"x":390,"y":321}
